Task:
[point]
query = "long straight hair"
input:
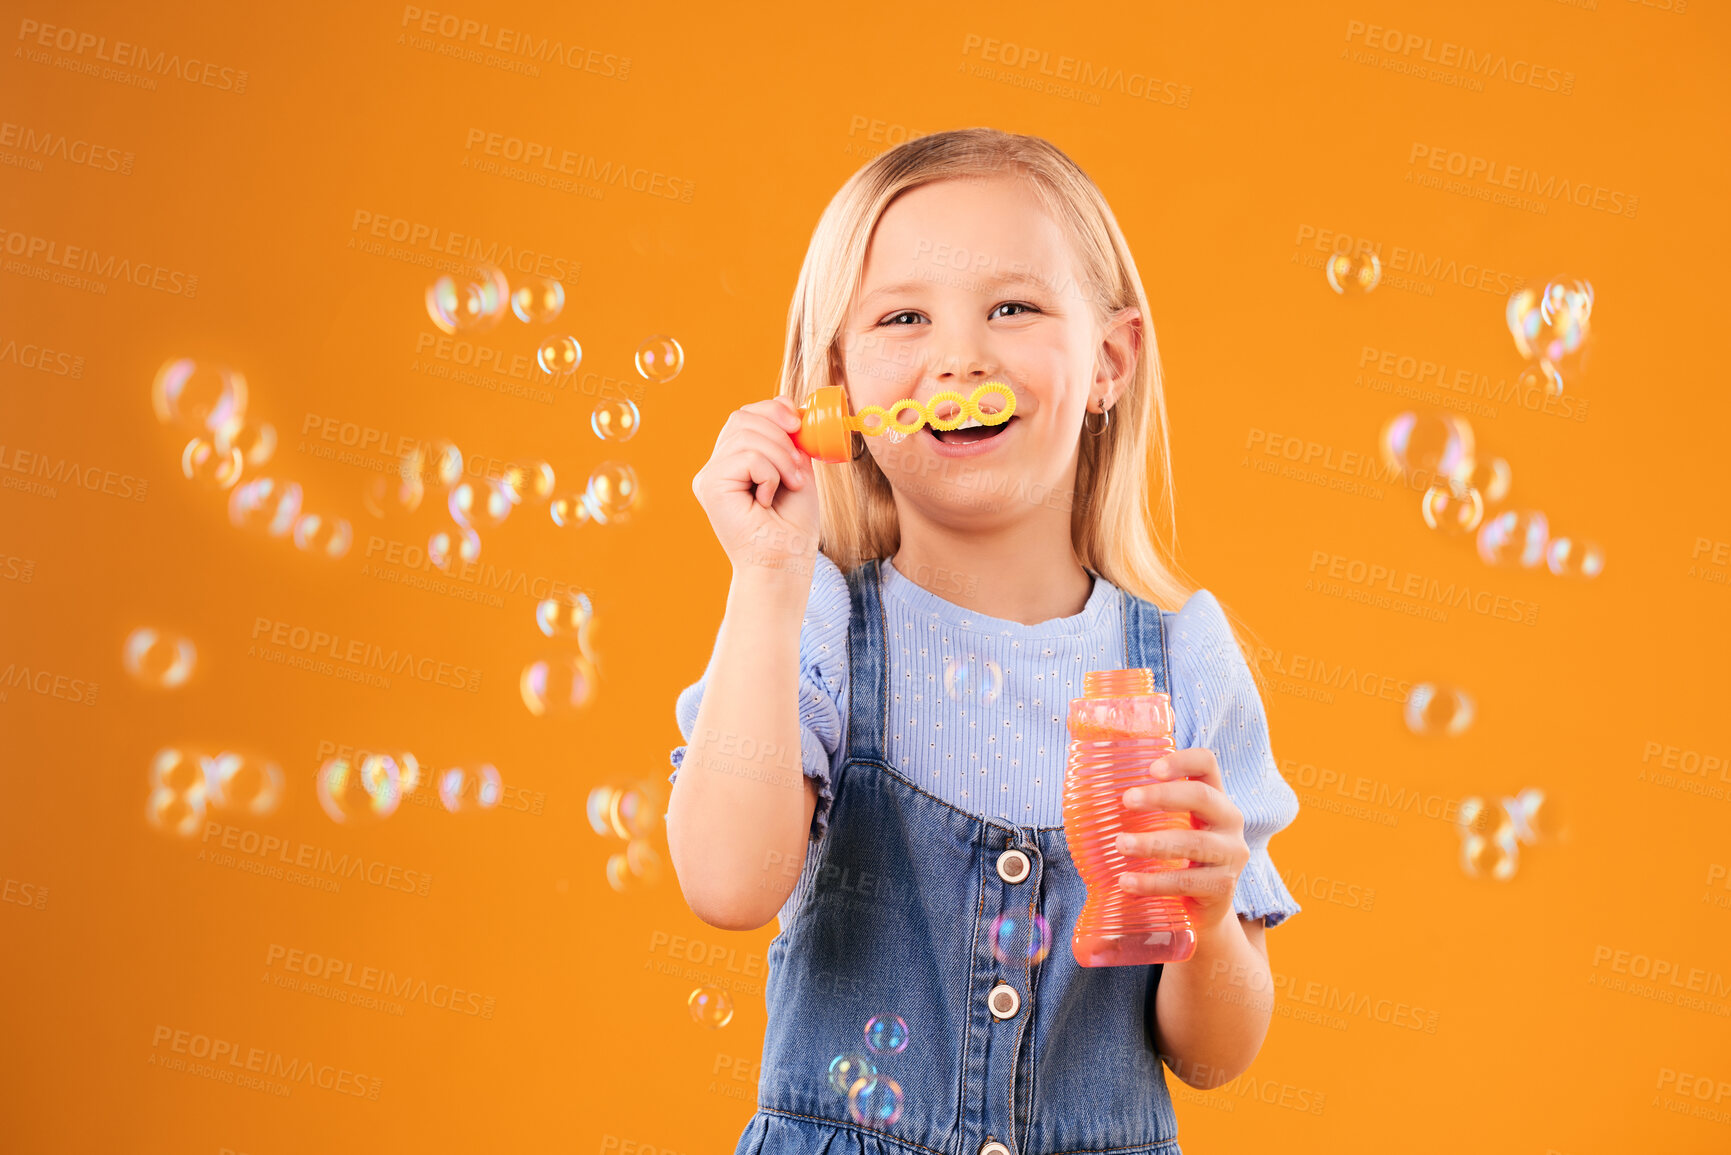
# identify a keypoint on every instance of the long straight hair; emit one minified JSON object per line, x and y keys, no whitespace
{"x":1123,"y":520}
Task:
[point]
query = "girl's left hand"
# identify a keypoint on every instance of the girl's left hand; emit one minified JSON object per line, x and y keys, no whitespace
{"x":1189,"y":780}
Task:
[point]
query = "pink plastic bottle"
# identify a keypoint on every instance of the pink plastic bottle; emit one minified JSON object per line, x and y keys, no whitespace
{"x":1117,"y":728}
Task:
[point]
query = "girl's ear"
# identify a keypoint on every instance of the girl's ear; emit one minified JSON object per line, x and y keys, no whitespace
{"x":1120,"y":342}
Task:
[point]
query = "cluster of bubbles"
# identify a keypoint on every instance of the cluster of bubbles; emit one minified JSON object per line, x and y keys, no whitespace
{"x":1466,"y":495}
{"x":367,"y":787}
{"x":186,"y":783}
{"x":161,"y":660}
{"x":1493,"y":832}
{"x":1352,"y":274}
{"x":968,"y":678}
{"x":225,"y":451}
{"x":873,"y":1098}
{"x":1551,"y":327}
{"x":562,"y":683}
{"x":1438,"y":710}
{"x":629,"y":813}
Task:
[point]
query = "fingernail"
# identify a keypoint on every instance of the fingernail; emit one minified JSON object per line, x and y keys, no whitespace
{"x":1158,"y":768}
{"x":1124,"y":880}
{"x":1122,"y":842}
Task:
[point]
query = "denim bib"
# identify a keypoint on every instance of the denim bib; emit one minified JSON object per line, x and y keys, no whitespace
{"x":1003,"y":1055}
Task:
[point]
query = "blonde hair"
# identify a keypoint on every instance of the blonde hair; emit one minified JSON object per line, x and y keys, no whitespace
{"x":1113,"y":529}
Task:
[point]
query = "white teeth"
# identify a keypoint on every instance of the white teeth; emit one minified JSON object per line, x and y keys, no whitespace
{"x":971,"y":423}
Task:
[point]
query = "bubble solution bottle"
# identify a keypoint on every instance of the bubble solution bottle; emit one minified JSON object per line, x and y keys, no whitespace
{"x":1118,"y":727}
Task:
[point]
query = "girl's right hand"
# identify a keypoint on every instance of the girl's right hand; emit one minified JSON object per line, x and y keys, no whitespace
{"x":759,"y":491}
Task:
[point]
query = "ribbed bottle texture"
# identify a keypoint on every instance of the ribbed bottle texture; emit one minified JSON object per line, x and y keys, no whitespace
{"x":1117,"y":728}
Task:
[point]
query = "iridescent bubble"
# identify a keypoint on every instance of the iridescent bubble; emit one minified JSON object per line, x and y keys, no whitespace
{"x":1536,"y":816}
{"x":267,"y":504}
{"x":886,"y":1034}
{"x":1477,"y":817}
{"x":1543,"y":377}
{"x":538,"y":301}
{"x":559,"y":355}
{"x":438,"y":463}
{"x":1452,"y":508}
{"x":356,"y":793}
{"x":1016,"y":939}
{"x":599,"y":809}
{"x":408,"y":773}
{"x":642,"y":861}
{"x":612,"y":492}
{"x":659,"y":359}
{"x":178,"y":769}
{"x":1495,"y":857}
{"x":615,"y":419}
{"x":207,"y":397}
{"x":158,"y":659}
{"x":619,"y":875}
{"x":243,"y":782}
{"x":480,"y":506}
{"x":1438,"y":710}
{"x":1491,"y":478}
{"x":557,"y":686}
{"x":631,"y":812}
{"x":710,"y":1007}
{"x":203,"y":462}
{"x":471,"y":787}
{"x":475,"y":304}
{"x":570,"y":510}
{"x":175,"y":813}
{"x":1570,"y":558}
{"x":1428,"y":447}
{"x":256,"y":442}
{"x":444,"y":306}
{"x":875,"y":1102}
{"x":846,"y":1070}
{"x":1514,"y":537}
{"x":529,"y":479}
{"x":1350,"y":273}
{"x":325,"y":536}
{"x":445,"y":547}
{"x":564,"y":615}
{"x":393,"y":496}
{"x":969,"y":677}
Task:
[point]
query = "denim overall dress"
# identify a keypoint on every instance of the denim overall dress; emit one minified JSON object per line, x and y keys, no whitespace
{"x":1016,"y":1057}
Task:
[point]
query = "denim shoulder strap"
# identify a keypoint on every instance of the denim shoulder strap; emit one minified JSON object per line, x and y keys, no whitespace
{"x":868,"y":668}
{"x":1145,"y":639}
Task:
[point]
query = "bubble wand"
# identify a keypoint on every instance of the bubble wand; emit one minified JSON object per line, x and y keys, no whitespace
{"x":824,"y":422}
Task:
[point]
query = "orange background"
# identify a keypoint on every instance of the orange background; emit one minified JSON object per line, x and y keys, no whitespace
{"x":589,"y":1046}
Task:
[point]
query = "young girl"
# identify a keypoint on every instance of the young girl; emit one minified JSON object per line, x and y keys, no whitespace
{"x":877,"y":748}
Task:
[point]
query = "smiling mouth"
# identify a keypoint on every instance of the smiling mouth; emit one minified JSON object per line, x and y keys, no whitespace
{"x":969,"y":436}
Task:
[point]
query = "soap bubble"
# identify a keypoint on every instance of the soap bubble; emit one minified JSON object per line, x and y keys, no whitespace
{"x":556,"y":686}
{"x":538,"y":301}
{"x":846,"y":1070}
{"x":1016,"y":939}
{"x":178,"y":791}
{"x":1484,"y":819}
{"x":159,"y":659}
{"x":394,"y":496}
{"x":710,"y":1007}
{"x":326,"y":536}
{"x":1536,"y":816}
{"x":1429,"y":446}
{"x":1514,"y":537}
{"x":353,"y":794}
{"x":408,"y":772}
{"x":256,"y":442}
{"x":631,"y":812}
{"x":526,"y":479}
{"x":599,"y":807}
{"x":243,"y":782}
{"x":265,"y":503}
{"x":476,"y":304}
{"x":1542,"y":376}
{"x":475,"y":787}
{"x":565,"y":615}
{"x":444,"y":305}
{"x":445,"y":547}
{"x":875,"y":1102}
{"x":480,"y":505}
{"x":969,"y":677}
{"x":642,"y":861}
{"x":179,"y":769}
{"x":886,"y":1034}
{"x":1494,"y":857}
{"x":1491,"y":478}
{"x":1351,"y":273}
{"x":570,"y":510}
{"x":1551,"y":323}
{"x":612,"y":492}
{"x":204,"y":463}
{"x":559,"y":355}
{"x":437,"y":463}
{"x":1434,"y":710}
{"x":1452,"y":508}
{"x":615,"y":419}
{"x":1570,"y":558}
{"x":195,"y":397}
{"x":659,"y":359}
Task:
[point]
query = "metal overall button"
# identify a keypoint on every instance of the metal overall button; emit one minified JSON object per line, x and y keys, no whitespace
{"x":1013,"y":865}
{"x":1003,"y":1001}
{"x":993,"y":1147}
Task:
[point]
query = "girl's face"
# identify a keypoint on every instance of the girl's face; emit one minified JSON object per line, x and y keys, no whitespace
{"x":968,"y":281}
